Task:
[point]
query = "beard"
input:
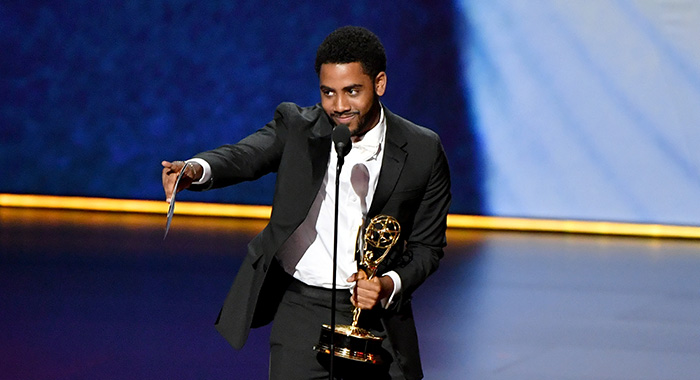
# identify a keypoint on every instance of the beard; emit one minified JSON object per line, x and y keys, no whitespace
{"x":367,"y":121}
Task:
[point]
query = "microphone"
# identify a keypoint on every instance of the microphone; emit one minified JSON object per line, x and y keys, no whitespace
{"x":341,"y":140}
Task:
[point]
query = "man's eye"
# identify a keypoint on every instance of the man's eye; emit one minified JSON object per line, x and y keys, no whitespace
{"x":353,"y":92}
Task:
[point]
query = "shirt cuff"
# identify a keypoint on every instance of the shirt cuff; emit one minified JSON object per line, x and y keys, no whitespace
{"x":206,"y":171}
{"x":386,"y":302}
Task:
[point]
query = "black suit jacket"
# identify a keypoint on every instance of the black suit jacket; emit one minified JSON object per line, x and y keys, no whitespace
{"x":413,"y":187}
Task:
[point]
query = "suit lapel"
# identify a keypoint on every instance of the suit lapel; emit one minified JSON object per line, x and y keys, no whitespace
{"x":319,"y":141}
{"x":318,"y":150}
{"x":392,"y":164}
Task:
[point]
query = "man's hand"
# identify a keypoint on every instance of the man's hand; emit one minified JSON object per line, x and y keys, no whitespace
{"x":193,"y":171}
{"x":368,"y":293}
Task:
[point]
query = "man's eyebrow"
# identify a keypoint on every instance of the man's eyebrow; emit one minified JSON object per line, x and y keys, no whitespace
{"x":346,"y":88}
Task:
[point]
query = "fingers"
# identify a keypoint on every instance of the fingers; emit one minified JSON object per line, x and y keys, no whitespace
{"x":169,"y":177}
{"x":360,"y":275}
{"x":174,"y":166}
{"x":366,"y":293}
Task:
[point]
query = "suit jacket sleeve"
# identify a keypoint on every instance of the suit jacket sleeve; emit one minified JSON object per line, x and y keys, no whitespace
{"x":249,"y":159}
{"x":426,"y":237}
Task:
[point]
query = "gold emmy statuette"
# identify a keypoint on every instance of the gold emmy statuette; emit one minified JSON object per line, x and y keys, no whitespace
{"x":352,"y":342}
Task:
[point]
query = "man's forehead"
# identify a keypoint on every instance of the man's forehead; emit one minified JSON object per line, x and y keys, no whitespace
{"x":339,"y":72}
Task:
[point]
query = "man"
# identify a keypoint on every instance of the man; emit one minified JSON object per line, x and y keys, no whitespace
{"x":394,"y":168}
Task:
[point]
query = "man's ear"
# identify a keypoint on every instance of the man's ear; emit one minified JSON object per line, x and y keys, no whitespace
{"x":380,"y":83}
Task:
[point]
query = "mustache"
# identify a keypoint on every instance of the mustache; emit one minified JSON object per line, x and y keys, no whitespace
{"x":345,"y":114}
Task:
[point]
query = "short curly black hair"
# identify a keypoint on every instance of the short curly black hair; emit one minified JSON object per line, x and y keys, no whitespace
{"x":352,"y":44}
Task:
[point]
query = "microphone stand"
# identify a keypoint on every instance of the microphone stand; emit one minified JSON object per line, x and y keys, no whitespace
{"x":341,"y":140}
{"x":341,"y":160}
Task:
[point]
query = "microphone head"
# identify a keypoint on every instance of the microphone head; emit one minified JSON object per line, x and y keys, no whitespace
{"x":341,"y":139}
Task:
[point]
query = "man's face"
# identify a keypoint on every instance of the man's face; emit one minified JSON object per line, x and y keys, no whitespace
{"x":349,"y":96}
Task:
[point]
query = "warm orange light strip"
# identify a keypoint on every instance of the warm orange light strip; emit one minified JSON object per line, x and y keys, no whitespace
{"x":133,"y":205}
{"x":573,"y":226}
{"x":263,"y":212}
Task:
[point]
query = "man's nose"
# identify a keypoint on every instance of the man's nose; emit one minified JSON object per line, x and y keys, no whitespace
{"x":341,"y":104}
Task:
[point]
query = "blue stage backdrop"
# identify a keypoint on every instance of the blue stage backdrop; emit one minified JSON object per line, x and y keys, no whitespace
{"x":547,"y":108}
{"x":96,"y":93}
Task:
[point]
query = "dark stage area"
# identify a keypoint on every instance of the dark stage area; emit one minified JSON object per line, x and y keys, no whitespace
{"x":88,"y":295}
